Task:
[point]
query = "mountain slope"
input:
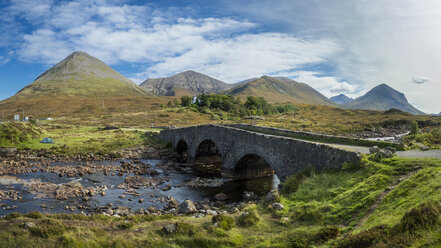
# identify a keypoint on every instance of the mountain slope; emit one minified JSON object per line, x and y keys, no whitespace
{"x":278,"y":90}
{"x":184,"y":83}
{"x":383,"y":97}
{"x":81,"y":75}
{"x":341,"y":99}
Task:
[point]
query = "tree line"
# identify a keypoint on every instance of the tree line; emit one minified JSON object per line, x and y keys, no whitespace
{"x":233,"y":105}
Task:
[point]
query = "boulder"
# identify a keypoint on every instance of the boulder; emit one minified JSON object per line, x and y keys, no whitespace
{"x":171,"y":203}
{"x":374,"y":149}
{"x":29,"y":225}
{"x":391,"y":149}
{"x":386,"y":154}
{"x":221,"y":197}
{"x":278,"y":206}
{"x":272,"y":197}
{"x":170,"y":228}
{"x":187,"y":207}
{"x":248,"y":196}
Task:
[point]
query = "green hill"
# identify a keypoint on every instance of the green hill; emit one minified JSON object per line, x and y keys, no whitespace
{"x":81,"y":75}
{"x":278,"y":90}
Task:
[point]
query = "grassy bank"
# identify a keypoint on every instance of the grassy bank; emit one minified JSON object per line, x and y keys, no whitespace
{"x":144,"y":112}
{"x":73,"y":139}
{"x":391,"y":203}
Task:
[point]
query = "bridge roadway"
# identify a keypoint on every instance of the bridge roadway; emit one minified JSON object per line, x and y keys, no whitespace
{"x":247,"y":154}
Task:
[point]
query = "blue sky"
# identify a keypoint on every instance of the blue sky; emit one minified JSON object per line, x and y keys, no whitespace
{"x":341,"y":46}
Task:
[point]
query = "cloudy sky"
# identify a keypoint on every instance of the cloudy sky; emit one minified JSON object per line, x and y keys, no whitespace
{"x":336,"y":46}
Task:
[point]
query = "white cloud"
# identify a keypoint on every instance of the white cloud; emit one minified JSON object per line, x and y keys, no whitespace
{"x":224,"y":48}
{"x":4,"y":60}
{"x":388,"y":42}
{"x":246,"y":56}
{"x":420,"y":80}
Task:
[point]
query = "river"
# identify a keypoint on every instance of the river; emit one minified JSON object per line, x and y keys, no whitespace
{"x":150,"y":196}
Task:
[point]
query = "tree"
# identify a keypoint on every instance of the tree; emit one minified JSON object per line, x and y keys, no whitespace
{"x":185,"y":101}
{"x":414,"y":128}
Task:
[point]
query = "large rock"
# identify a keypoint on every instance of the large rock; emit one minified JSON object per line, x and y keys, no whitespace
{"x":278,"y":206}
{"x":170,"y":228}
{"x":171,"y":203}
{"x":272,"y":197}
{"x":391,"y":149}
{"x":386,"y":154}
{"x":187,"y":207}
{"x":221,"y":197}
{"x":248,"y":196}
{"x":374,"y":149}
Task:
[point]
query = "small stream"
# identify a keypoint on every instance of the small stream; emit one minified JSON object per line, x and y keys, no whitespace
{"x":150,"y":195}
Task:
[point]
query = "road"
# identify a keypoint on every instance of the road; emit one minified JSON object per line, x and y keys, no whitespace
{"x":403,"y":154}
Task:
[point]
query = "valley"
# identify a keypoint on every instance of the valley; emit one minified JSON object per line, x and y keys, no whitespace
{"x":125,"y":171}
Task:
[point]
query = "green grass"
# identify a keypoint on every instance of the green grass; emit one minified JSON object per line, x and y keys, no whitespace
{"x":421,"y":187}
{"x":325,"y":209}
{"x":71,"y":140}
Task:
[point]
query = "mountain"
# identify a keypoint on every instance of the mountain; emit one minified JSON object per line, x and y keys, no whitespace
{"x":185,"y":83}
{"x":383,"y":97}
{"x":280,"y":89}
{"x":341,"y":99}
{"x":81,"y":75}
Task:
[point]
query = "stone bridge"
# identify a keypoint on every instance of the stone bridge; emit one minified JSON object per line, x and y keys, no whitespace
{"x":247,"y":154}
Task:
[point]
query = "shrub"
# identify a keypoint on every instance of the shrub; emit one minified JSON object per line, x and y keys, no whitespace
{"x":185,"y":101}
{"x":17,"y":133}
{"x":366,"y":238}
{"x":185,"y":229}
{"x":34,"y":215}
{"x":292,"y":182}
{"x":47,"y":228}
{"x":13,"y":216}
{"x":249,"y":218}
{"x":327,"y":233}
{"x":402,"y":234}
{"x":310,"y":212}
{"x":224,"y":222}
{"x":125,"y":225}
{"x":424,"y":216}
{"x":414,"y":128}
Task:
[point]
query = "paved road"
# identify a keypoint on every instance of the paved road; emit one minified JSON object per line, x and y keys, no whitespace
{"x":403,"y":154}
{"x":420,"y":154}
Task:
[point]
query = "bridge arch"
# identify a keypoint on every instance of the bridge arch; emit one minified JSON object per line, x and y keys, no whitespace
{"x":182,"y":147}
{"x":251,"y":166}
{"x":207,"y":151}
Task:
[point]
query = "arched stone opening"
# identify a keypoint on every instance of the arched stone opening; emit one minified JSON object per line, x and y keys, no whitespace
{"x":208,"y":152}
{"x":181,"y":149}
{"x":182,"y":146}
{"x":252,"y":166}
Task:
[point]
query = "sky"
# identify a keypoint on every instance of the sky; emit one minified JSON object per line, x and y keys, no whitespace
{"x":335,"y":46}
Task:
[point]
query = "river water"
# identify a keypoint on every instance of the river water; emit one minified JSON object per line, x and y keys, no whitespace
{"x":150,"y":195}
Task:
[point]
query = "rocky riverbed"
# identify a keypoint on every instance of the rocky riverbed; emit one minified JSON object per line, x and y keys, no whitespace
{"x":120,"y":187}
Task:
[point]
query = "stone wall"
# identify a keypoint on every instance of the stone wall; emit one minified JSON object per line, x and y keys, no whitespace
{"x":285,"y":155}
{"x":313,"y":136}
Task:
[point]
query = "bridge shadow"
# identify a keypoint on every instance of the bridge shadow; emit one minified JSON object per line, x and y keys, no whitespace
{"x":208,"y":152}
{"x":252,"y":166}
{"x":182,"y":150}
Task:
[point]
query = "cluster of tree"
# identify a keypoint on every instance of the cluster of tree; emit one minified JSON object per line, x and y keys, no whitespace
{"x":252,"y":106}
